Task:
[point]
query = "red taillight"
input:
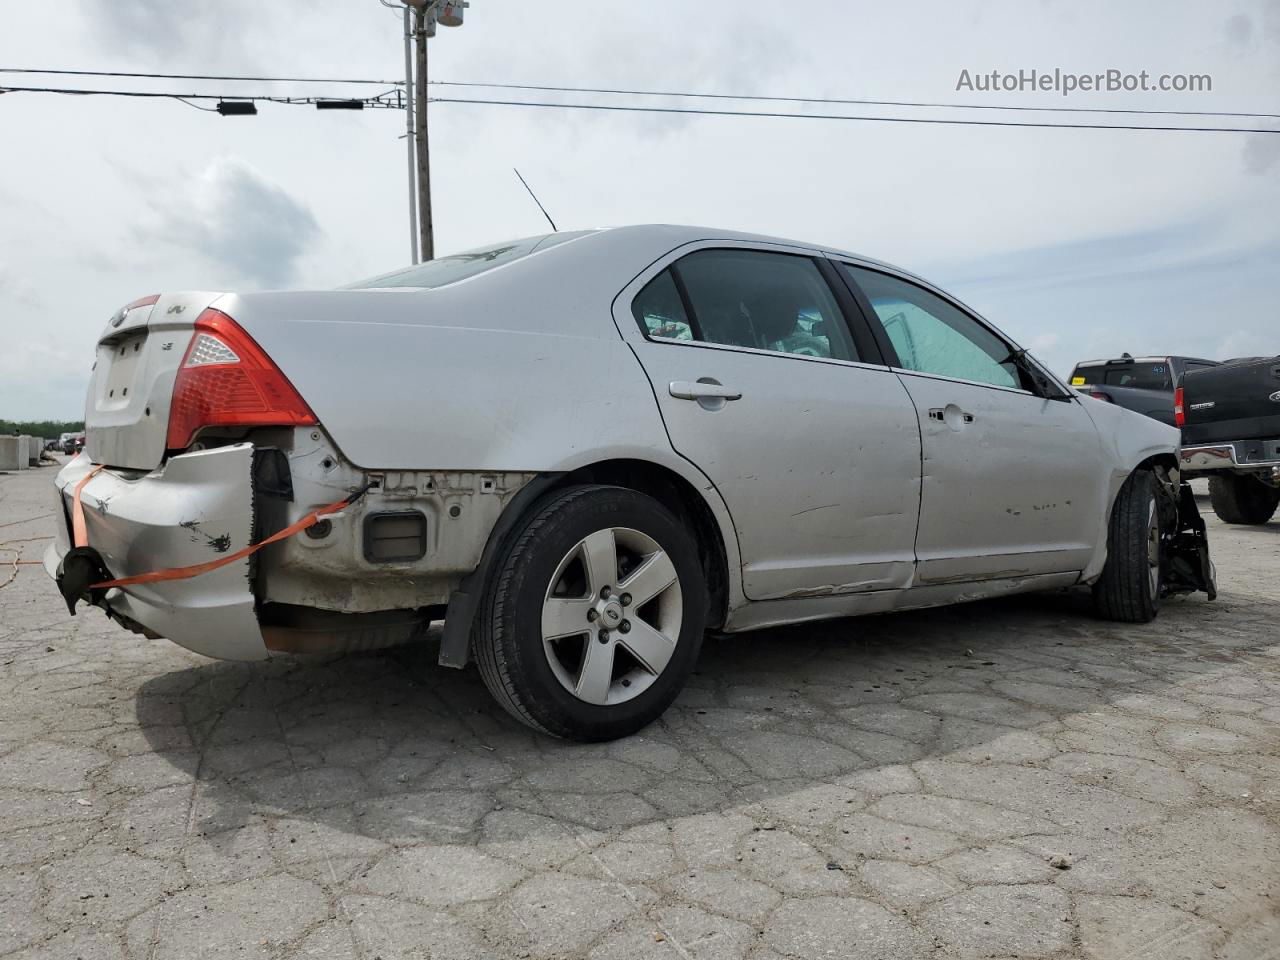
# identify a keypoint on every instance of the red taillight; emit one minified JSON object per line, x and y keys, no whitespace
{"x":1179,"y":415}
{"x":1099,"y":395}
{"x":226,"y":380}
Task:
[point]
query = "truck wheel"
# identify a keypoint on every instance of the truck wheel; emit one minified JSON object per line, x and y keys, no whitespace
{"x":1242,"y":499}
{"x":1129,"y":588}
{"x":593,"y":620}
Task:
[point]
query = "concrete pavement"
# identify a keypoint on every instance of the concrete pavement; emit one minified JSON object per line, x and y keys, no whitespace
{"x":1005,"y":779}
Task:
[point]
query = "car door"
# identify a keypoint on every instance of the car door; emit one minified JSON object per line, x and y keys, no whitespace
{"x":1013,"y":483}
{"x":762,"y":385}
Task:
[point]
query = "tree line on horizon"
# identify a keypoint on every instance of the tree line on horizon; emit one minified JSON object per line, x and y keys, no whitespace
{"x":48,"y":429}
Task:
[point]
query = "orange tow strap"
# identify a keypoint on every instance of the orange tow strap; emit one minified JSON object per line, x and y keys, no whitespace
{"x":78,"y":532}
{"x":81,"y":537}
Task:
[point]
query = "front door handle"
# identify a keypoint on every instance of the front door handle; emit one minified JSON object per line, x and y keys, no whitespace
{"x":702,"y":390}
{"x":950,"y":414}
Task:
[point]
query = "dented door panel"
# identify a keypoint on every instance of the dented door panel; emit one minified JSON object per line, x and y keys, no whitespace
{"x":818,"y":461}
{"x":1013,"y":484}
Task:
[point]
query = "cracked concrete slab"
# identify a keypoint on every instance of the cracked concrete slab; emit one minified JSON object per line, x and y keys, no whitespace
{"x":1013,"y":778}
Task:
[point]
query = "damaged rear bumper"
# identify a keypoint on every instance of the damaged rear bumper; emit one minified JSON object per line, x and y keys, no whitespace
{"x":198,"y":507}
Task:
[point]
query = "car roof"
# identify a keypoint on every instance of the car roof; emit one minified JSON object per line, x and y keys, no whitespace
{"x":1163,"y":359}
{"x":688,"y":233}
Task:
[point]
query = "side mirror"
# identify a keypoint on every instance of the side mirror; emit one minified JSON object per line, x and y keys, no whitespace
{"x":1041,"y":385}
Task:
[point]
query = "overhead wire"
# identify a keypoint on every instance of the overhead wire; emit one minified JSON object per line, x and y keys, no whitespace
{"x":384,"y":99}
{"x":619,"y":91}
{"x":198,"y":76}
{"x":851,"y":117}
{"x":391,"y":99}
{"x":635,"y":92}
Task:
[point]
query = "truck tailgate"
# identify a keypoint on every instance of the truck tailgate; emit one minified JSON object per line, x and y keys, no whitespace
{"x":1235,"y":401}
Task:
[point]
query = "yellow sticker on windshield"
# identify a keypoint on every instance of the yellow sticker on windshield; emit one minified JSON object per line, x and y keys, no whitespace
{"x":1077,"y":381}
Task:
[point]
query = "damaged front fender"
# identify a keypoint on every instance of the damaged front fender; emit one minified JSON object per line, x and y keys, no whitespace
{"x":1185,"y":565}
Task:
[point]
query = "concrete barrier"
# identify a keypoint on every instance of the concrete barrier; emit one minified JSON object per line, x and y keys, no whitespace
{"x":34,"y":447}
{"x":10,"y":448}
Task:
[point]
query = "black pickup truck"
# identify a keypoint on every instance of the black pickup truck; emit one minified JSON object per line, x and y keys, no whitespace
{"x":1230,"y":420}
{"x":1142,"y":384}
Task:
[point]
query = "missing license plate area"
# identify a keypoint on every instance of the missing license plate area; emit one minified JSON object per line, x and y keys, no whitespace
{"x":395,"y":537}
{"x":123,"y":359}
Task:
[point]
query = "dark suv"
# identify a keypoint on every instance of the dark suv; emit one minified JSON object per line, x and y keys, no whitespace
{"x":1142,"y":384}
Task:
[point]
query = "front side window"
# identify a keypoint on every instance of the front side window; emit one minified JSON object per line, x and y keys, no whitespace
{"x":932,"y":336}
{"x":746,"y":298}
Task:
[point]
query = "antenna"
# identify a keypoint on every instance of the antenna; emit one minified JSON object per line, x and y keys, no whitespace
{"x":537,"y":201}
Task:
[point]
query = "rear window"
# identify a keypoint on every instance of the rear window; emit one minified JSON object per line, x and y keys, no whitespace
{"x":1146,"y":376}
{"x":469,"y":263}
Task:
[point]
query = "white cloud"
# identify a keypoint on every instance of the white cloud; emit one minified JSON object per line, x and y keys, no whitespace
{"x":1104,"y":240}
{"x":235,"y":218}
{"x":1246,"y":343}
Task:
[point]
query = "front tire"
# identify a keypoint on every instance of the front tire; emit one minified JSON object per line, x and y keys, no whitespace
{"x":593,"y":620}
{"x":1129,"y":589}
{"x":1240,"y":499}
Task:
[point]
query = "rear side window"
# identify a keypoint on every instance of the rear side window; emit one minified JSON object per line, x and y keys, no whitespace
{"x":1154,"y":375}
{"x":1147,"y":376}
{"x":1084,"y":376}
{"x":660,"y":311}
{"x":746,"y":298}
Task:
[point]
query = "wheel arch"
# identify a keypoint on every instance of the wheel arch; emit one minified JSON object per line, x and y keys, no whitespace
{"x":678,"y":494}
{"x":1117,"y":478}
{"x":701,"y":509}
{"x":1165,"y":458}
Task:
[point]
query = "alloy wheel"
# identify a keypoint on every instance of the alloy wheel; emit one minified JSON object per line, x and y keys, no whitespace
{"x":611,"y":616}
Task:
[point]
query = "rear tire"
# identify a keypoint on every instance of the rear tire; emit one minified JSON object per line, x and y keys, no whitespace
{"x":561,"y":641}
{"x":1129,"y":589}
{"x":1243,"y":499}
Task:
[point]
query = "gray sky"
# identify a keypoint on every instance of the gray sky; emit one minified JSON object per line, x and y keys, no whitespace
{"x":1078,"y":243}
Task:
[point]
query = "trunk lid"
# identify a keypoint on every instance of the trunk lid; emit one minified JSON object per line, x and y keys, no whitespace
{"x":127,"y":408}
{"x":1235,"y":401}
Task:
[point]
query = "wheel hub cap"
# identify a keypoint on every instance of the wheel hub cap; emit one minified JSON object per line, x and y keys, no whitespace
{"x":610,"y":612}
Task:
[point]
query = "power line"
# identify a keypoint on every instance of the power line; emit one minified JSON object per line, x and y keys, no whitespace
{"x":197,"y":76}
{"x":387,"y":100}
{"x":196,"y":105}
{"x":841,"y":116}
{"x":622,"y":91}
{"x":843,"y":101}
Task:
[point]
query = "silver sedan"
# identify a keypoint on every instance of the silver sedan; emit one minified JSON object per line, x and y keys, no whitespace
{"x":583,"y":450}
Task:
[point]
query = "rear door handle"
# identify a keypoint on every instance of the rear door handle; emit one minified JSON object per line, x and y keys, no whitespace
{"x":686,"y":390}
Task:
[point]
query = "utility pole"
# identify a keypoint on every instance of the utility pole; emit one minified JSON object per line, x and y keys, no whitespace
{"x":425,"y":15}
{"x":426,"y":234}
{"x":409,"y":133}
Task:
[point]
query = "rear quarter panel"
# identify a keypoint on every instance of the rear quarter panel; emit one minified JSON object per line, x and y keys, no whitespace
{"x":517,"y":369}
{"x":394,"y":393}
